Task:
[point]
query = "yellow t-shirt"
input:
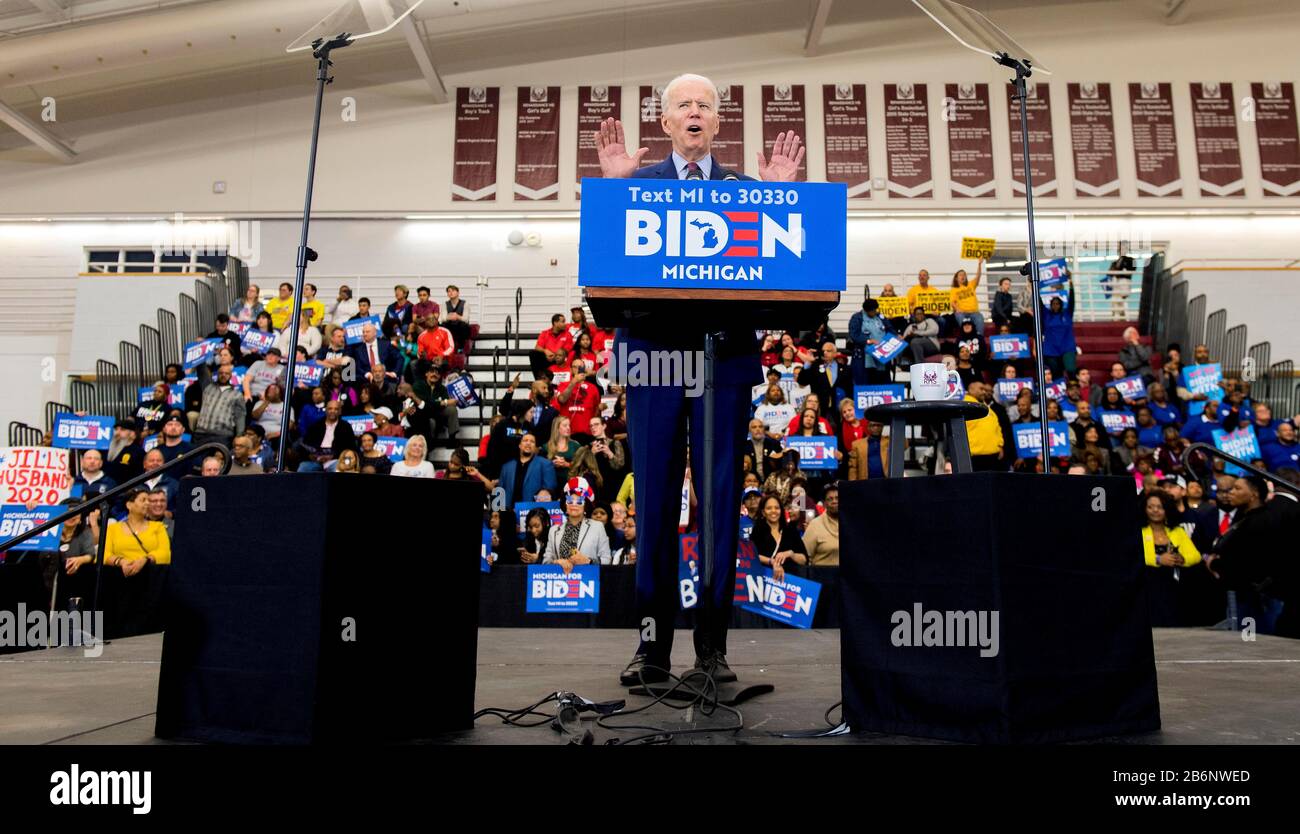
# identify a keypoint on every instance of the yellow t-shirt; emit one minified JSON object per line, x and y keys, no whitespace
{"x":911,"y":297}
{"x":120,"y":544}
{"x":280,"y":310}
{"x":964,"y":300}
{"x":314,"y":308}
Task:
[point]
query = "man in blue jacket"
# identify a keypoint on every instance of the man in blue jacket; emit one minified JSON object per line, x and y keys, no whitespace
{"x":658,"y":415}
{"x":866,"y":330}
{"x":1059,"y":349}
{"x":527,"y":475}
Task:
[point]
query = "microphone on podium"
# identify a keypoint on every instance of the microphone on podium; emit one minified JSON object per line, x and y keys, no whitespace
{"x":730,"y":176}
{"x":694,"y":173}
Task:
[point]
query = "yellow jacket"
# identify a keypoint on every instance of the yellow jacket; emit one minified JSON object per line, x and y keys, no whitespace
{"x":120,"y":544}
{"x":985,"y":434}
{"x":280,"y":311}
{"x":1178,"y":538}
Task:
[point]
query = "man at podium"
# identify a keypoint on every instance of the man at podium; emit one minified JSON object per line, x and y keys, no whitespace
{"x":661,"y":417}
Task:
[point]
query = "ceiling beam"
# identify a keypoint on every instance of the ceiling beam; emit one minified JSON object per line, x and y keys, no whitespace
{"x":38,"y":135}
{"x":812,"y":41}
{"x":53,"y":9}
{"x":424,"y":59}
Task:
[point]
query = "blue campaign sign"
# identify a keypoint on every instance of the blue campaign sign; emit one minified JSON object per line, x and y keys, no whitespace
{"x":1116,"y":421}
{"x":713,"y":234}
{"x":197,"y":353}
{"x":549,"y":590}
{"x":393,"y":447}
{"x":1009,"y":346}
{"x":814,"y":452}
{"x":1130,"y":387}
{"x":866,"y":396}
{"x":485,"y":551}
{"x":309,"y":373}
{"x":1052,"y":276}
{"x":1029,"y":439}
{"x":1056,"y":391}
{"x":887,"y":349}
{"x":361,"y":423}
{"x":1069,"y":411}
{"x":792,"y":601}
{"x":355,"y":329}
{"x":239,"y":328}
{"x":688,"y":569}
{"x":73,"y":432}
{"x":151,"y":442}
{"x":461,"y":387}
{"x":1204,"y":379}
{"x":523,"y":508}
{"x":255,"y":341}
{"x":1242,"y":444}
{"x":1006,"y":390}
{"x":16,"y":519}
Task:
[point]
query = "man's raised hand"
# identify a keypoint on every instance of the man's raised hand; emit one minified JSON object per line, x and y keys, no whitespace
{"x":787,"y":153}
{"x":615,"y":161}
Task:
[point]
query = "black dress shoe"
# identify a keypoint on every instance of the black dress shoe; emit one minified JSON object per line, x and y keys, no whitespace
{"x":715,"y":666}
{"x":640,"y":671}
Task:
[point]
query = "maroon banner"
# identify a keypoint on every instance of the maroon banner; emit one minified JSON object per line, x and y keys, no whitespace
{"x":1279,"y":143}
{"x":537,"y":143}
{"x":652,"y":132}
{"x":1042,"y":151}
{"x":595,"y":105}
{"x":1218,"y":151}
{"x":844,"y":113}
{"x":1155,"y":140}
{"x":1092,"y":133}
{"x":474,"y":151}
{"x":783,"y":111}
{"x":970,"y":140}
{"x":907,"y":140}
{"x":729,"y":145}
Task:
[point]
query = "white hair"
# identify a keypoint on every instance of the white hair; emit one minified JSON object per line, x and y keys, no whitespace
{"x":417,"y":441}
{"x":663,"y":99}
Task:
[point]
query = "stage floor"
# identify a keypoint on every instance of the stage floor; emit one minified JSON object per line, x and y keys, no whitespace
{"x":1215,"y":688}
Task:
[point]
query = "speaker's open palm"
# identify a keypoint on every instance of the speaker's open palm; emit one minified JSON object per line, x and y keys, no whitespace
{"x":611,"y":149}
{"x":787,"y":153}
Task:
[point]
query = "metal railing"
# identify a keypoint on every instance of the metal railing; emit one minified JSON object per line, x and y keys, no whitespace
{"x":151,"y":351}
{"x":51,"y":409}
{"x":1213,"y":451}
{"x":171,"y":337}
{"x":21,"y":434}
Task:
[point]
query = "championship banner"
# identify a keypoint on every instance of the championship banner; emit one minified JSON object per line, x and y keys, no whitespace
{"x":537,"y":143}
{"x":34,"y":474}
{"x":866,"y":396}
{"x":934,"y":302}
{"x":1130,"y":387}
{"x":1029,"y":439}
{"x":255,"y":341}
{"x":152,"y":441}
{"x":73,"y":432}
{"x":792,"y":601}
{"x":729,"y":145}
{"x":1092,"y":135}
{"x":907,"y":141}
{"x":523,"y":508}
{"x":1155,"y":139}
{"x":549,"y":590}
{"x":893,"y":306}
{"x":485,"y":551}
{"x":886,"y":350}
{"x":595,"y":104}
{"x":355,"y":330}
{"x":1006,"y":390}
{"x":970,"y":140}
{"x":815,"y":453}
{"x":197,"y":353}
{"x":1042,"y":149}
{"x":1242,"y":444}
{"x":652,"y":131}
{"x":16,"y":519}
{"x":461,"y":387}
{"x":308,"y":373}
{"x":1116,"y":421}
{"x":844,"y":119}
{"x":974,"y":248}
{"x":360,"y":423}
{"x":1009,"y":346}
{"x":474,"y":150}
{"x":1279,"y":141}
{"x":1218,"y":150}
{"x":783,"y":111}
{"x":1204,"y":379}
{"x":734,"y":235}
{"x":393,"y":447}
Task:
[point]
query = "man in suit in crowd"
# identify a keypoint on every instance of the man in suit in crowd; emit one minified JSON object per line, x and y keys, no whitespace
{"x":657,"y":415}
{"x":527,"y":475}
{"x":372,"y":350}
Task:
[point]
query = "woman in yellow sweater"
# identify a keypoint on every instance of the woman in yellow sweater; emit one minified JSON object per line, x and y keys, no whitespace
{"x":136,"y":541}
{"x":965,"y":305}
{"x":1169,"y":551}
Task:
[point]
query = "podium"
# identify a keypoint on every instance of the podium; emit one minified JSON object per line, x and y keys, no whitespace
{"x":298,"y":613}
{"x":1058,"y":558}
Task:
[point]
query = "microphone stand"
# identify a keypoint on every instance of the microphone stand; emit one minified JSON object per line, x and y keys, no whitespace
{"x":321,"y":49}
{"x":1023,"y":70}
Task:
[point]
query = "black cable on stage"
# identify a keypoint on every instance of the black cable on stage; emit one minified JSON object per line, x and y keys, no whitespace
{"x":829,"y":710}
{"x":706,"y":700}
{"x":512,"y":716}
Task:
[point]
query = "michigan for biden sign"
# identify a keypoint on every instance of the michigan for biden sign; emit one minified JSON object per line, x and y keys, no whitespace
{"x":711,"y":234}
{"x":552,"y":591}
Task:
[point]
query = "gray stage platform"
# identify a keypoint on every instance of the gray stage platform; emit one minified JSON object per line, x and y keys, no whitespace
{"x":1214,"y":687}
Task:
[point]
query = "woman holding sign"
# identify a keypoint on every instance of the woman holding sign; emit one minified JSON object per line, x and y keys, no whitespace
{"x":965,"y":306}
{"x":777,"y":542}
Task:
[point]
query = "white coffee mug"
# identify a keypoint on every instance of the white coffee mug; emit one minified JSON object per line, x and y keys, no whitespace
{"x":929,"y":381}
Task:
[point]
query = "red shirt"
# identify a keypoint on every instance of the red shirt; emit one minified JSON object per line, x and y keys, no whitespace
{"x":793,"y":428}
{"x":550,"y":342}
{"x":436,"y":343}
{"x":850,"y":433}
{"x":567,"y":365}
{"x":426,"y":308}
{"x":600,"y":339}
{"x":581,"y":406}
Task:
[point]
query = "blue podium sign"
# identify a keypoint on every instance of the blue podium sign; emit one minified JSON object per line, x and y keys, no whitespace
{"x":712,"y":234}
